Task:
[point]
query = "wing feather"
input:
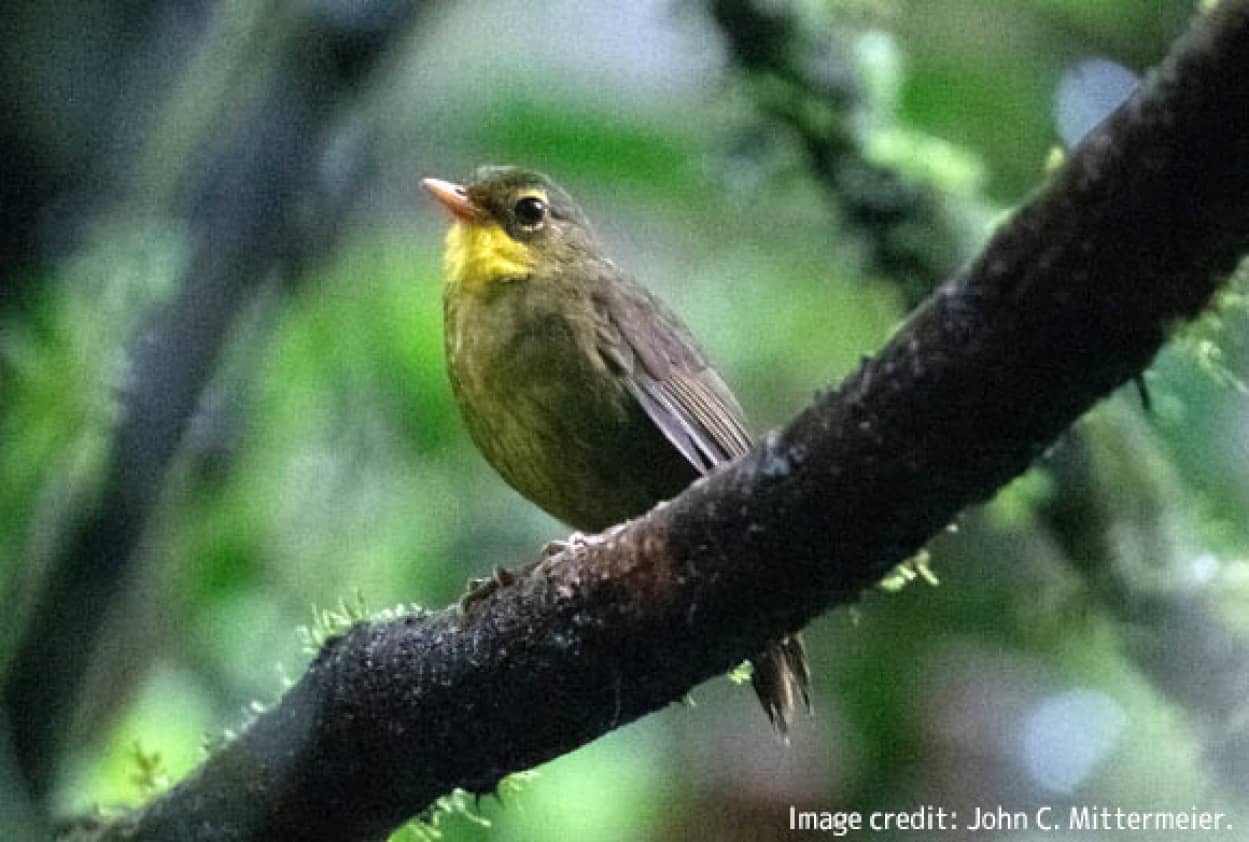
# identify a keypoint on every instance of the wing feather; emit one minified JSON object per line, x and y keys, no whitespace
{"x":668,"y":376}
{"x":672,"y":423}
{"x":685,"y":398}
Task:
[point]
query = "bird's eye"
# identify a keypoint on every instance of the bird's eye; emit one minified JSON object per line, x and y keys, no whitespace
{"x":530,"y":211}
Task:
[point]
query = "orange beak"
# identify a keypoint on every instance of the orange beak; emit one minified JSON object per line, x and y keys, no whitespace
{"x":454,"y":198}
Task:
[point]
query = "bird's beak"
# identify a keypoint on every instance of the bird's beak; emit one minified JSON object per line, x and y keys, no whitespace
{"x":454,"y":198}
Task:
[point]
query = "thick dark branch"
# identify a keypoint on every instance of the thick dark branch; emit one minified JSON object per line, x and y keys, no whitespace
{"x":1087,"y":513}
{"x":1070,"y":299}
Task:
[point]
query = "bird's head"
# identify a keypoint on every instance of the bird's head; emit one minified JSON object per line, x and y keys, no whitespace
{"x":509,"y":224}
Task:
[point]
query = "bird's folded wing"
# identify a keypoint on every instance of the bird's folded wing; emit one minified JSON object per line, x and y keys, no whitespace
{"x":669,"y":378}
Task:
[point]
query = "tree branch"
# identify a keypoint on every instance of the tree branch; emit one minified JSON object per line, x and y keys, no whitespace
{"x":1088,"y":511}
{"x":1070,"y":299}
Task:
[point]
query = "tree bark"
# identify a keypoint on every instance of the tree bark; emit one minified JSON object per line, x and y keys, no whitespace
{"x":1070,"y":299}
{"x":1088,"y":511}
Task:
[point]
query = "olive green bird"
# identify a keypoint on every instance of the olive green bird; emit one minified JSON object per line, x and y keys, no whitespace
{"x":584,"y":391}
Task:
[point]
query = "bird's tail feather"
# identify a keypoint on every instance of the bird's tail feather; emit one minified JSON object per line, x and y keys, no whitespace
{"x":781,"y":676}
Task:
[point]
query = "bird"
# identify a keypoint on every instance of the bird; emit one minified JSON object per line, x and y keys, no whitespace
{"x":581,"y":388}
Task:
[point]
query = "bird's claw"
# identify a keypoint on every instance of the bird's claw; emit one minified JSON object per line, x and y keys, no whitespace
{"x":578,"y":540}
{"x":483,"y":587}
{"x":554,"y":548}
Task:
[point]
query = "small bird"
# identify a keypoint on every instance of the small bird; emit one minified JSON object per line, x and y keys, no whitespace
{"x":579,"y":386}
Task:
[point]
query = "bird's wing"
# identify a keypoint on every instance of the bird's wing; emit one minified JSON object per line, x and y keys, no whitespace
{"x":668,"y":376}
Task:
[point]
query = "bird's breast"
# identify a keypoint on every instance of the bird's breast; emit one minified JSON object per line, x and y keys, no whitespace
{"x":540,"y":403}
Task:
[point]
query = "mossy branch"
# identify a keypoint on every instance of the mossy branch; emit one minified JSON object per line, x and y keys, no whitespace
{"x":1071,"y":298}
{"x":1087,"y":513}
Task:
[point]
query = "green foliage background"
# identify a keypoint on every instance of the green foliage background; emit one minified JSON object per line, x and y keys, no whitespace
{"x":329,"y":460}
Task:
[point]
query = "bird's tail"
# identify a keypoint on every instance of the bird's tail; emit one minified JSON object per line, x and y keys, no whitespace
{"x":781,"y":676}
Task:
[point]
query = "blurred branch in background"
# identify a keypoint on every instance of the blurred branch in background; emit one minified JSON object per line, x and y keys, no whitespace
{"x":244,"y":212}
{"x":1069,"y":300}
{"x":64,"y":102}
{"x":809,"y":87}
{"x":1101,"y":480}
{"x":1119,"y":517}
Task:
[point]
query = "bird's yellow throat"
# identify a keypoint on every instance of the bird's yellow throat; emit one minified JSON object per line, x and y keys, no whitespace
{"x":478,"y":255}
